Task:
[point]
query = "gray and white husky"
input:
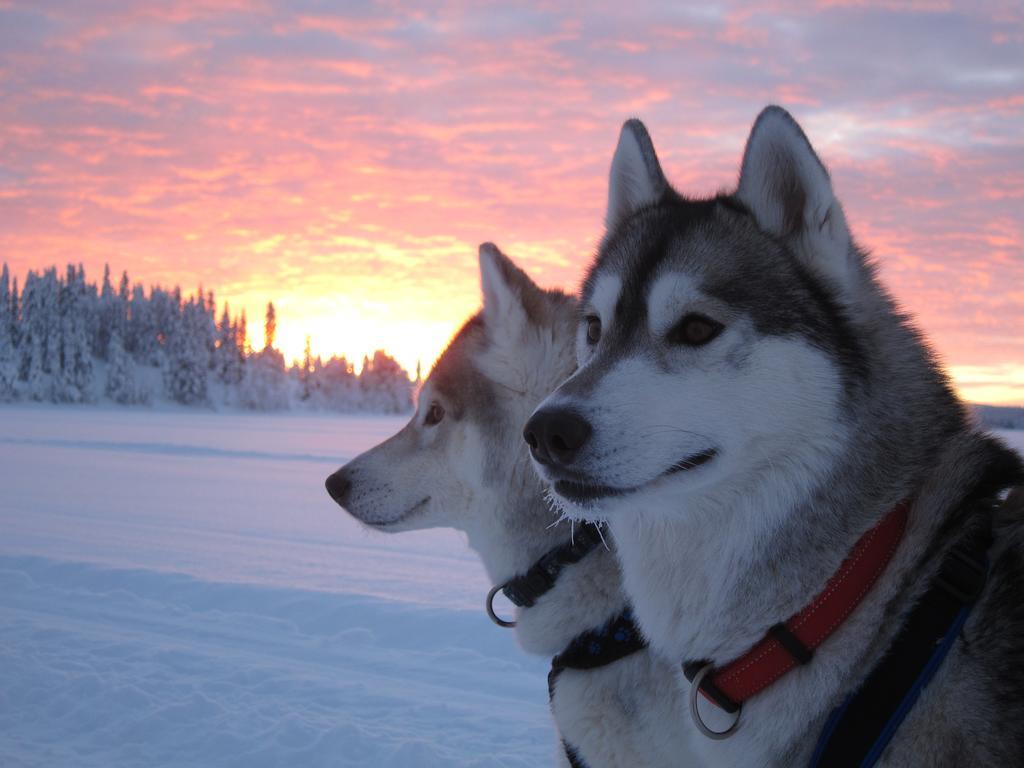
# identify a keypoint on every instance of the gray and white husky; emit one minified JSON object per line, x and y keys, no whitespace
{"x":749,"y":401}
{"x":461,"y":463}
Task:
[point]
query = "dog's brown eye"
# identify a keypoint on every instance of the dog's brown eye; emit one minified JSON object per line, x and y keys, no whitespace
{"x":694,"y":331}
{"x":434,"y":414}
{"x":593,"y":329}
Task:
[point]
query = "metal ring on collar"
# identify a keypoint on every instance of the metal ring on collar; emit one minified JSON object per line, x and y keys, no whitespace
{"x":701,"y":725}
{"x":490,"y":608}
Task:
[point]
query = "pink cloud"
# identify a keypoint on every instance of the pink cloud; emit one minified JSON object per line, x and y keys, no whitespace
{"x":336,"y":158}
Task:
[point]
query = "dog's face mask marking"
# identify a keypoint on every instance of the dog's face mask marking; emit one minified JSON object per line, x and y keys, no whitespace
{"x":712,"y":341}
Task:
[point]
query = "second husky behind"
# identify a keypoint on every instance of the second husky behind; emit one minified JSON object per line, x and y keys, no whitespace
{"x":461,"y":463}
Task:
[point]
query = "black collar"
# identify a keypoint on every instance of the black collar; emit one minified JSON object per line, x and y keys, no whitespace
{"x":525,"y":589}
{"x":616,"y":639}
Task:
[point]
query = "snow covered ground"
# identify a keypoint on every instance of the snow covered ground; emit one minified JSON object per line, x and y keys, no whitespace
{"x":176,"y":589}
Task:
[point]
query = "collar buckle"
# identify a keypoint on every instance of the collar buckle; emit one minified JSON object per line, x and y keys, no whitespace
{"x":525,"y":589}
{"x":536,"y":581}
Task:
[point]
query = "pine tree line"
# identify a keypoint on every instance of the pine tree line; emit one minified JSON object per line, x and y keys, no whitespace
{"x":65,"y":340}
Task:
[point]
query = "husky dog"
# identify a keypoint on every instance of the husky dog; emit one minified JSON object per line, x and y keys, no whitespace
{"x":749,"y":403}
{"x":461,"y":463}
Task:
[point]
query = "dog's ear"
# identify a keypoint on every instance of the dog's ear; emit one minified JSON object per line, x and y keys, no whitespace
{"x":788,"y":190}
{"x":511,"y":298}
{"x":635,"y":179}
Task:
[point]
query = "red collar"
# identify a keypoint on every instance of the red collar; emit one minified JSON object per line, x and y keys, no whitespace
{"x":793,"y":642}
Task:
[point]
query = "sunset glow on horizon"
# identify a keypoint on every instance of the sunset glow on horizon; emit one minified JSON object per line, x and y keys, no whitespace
{"x":346,"y":162}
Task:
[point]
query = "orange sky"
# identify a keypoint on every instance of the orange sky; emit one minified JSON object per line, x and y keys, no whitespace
{"x":346,"y":163}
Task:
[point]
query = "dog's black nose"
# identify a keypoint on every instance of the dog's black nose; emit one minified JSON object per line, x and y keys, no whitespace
{"x":556,"y":436}
{"x":338,"y":485}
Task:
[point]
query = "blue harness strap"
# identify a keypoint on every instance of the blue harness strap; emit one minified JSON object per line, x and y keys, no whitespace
{"x":819,"y":759}
{"x":858,"y":731}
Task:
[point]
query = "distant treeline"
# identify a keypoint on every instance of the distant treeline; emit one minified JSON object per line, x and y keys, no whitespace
{"x":65,"y":340}
{"x":1001,"y":416}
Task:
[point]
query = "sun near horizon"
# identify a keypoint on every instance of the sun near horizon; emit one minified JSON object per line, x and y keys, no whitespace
{"x":347,"y":165}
